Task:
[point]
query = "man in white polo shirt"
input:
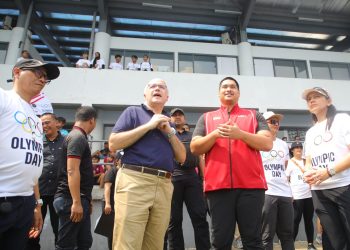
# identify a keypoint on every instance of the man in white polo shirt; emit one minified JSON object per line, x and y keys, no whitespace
{"x":21,"y":154}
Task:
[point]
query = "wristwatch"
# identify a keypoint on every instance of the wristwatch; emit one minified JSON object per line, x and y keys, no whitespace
{"x":39,"y":202}
{"x":331,"y":171}
{"x":171,"y":133}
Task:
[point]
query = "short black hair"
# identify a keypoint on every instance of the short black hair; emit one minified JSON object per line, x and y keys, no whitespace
{"x":85,"y":113}
{"x":61,"y":119}
{"x":50,"y":114}
{"x":117,"y":56}
{"x":134,"y":56}
{"x":229,"y":78}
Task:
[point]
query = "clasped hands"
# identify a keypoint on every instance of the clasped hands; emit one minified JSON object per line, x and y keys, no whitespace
{"x":229,"y":130}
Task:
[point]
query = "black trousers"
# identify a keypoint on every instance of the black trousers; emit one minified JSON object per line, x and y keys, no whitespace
{"x":229,"y":206}
{"x":33,"y":244}
{"x":16,"y":222}
{"x":332,"y":206}
{"x":189,"y":191}
{"x":305,"y":208}
{"x":277,"y":218}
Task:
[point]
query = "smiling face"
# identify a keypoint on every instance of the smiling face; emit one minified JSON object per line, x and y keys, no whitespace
{"x":156,"y":92}
{"x":49,"y":125}
{"x":229,"y":92}
{"x":318,"y":104}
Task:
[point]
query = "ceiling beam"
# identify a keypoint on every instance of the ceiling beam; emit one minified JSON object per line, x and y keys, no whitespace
{"x":247,"y":13}
{"x":40,"y":29}
{"x":342,"y":45}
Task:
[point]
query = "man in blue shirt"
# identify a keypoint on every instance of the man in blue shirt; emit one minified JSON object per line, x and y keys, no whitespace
{"x":143,"y":186}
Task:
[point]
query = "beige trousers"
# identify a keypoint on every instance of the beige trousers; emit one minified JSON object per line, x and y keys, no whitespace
{"x":142,"y":210}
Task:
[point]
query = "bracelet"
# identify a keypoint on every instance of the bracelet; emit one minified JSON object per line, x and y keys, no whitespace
{"x":172,"y":132}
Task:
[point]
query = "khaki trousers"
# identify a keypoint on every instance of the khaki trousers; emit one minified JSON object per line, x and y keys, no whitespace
{"x":142,"y":210}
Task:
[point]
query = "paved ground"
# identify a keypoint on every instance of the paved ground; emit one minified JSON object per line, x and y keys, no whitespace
{"x":100,"y":242}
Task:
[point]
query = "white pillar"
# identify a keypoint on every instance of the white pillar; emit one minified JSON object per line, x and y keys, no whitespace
{"x":245,"y":58}
{"x":13,"y":51}
{"x":103,"y":45}
{"x":97,"y":133}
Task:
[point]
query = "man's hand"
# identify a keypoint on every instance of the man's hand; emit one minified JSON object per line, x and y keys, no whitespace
{"x":76,"y":214}
{"x":228,"y":130}
{"x":108,"y":209}
{"x":35,"y":230}
{"x":159,"y":121}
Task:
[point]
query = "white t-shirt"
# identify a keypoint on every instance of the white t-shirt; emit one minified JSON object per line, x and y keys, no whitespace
{"x":327,"y":148}
{"x":83,"y":63}
{"x":145,"y":66}
{"x":300,"y":189}
{"x":133,"y":66}
{"x":116,"y":66}
{"x":274,"y":168}
{"x":21,"y":146}
{"x":99,"y":63}
{"x":41,"y":104}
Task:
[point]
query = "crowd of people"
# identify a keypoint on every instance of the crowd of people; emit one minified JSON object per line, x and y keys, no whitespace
{"x":232,"y":167}
{"x":98,"y":63}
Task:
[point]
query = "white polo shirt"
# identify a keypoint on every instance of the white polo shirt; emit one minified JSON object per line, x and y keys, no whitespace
{"x":21,"y":146}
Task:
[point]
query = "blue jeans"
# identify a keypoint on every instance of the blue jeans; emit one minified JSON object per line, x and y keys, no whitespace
{"x":15,"y":224}
{"x":72,"y":235}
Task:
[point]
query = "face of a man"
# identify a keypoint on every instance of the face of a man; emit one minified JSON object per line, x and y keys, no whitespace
{"x":156,"y":92}
{"x":49,"y":125}
{"x":229,"y":92}
{"x":117,"y":59}
{"x":178,"y":119}
{"x":134,"y":59}
{"x":30,"y":81}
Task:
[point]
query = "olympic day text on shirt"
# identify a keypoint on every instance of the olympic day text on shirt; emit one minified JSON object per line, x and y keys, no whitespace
{"x":274,"y":168}
{"x":25,"y":131}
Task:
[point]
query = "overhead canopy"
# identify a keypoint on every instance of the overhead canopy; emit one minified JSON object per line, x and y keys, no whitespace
{"x":62,"y":28}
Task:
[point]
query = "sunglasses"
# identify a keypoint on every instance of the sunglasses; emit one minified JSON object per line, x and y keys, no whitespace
{"x":274,"y":122}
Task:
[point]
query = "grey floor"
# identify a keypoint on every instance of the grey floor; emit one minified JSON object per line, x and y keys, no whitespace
{"x":100,"y":242}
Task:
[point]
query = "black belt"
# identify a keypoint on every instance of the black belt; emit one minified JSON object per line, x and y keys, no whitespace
{"x":146,"y":170}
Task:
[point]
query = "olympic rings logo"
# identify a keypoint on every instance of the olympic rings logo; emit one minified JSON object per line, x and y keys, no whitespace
{"x":28,"y":124}
{"x":327,"y":137}
{"x":273,"y":155}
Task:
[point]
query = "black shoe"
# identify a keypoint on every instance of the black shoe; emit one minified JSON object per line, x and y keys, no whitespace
{"x":311,"y":247}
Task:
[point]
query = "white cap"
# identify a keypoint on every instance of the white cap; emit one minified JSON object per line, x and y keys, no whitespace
{"x":270,"y":114}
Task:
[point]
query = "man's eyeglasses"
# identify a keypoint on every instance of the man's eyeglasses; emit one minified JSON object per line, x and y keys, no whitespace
{"x":274,"y":122}
{"x":39,"y":73}
{"x":155,"y":85}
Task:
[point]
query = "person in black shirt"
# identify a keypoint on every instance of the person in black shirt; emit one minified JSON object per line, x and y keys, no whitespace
{"x":188,"y":189}
{"x":52,"y":152}
{"x":73,"y":196}
{"x":109,"y":180}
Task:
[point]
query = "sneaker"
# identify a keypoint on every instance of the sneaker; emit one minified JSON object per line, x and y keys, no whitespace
{"x":318,"y":239}
{"x":311,"y":247}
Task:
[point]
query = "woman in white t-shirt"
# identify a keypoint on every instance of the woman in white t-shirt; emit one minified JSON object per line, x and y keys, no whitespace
{"x":302,"y":201}
{"x":327,"y":152}
{"x":277,"y":213}
{"x":98,"y":62}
